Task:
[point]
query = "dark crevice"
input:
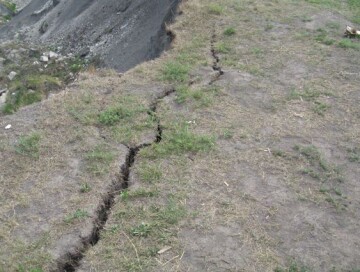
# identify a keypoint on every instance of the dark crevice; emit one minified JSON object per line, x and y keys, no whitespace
{"x":153,"y":109}
{"x":216,"y":59}
{"x":71,"y":261}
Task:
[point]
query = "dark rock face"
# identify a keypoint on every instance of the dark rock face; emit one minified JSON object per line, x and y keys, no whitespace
{"x":122,"y":33}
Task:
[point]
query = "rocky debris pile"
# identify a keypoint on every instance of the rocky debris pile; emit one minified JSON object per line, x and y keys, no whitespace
{"x":120,"y":33}
{"x":29,"y":74}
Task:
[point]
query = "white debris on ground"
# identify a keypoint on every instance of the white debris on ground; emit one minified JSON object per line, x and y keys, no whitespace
{"x":3,"y":94}
{"x":44,"y":59}
{"x":352,"y":32}
{"x":12,"y":75}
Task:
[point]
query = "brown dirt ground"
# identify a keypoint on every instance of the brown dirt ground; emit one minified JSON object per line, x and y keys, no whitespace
{"x":278,"y":189}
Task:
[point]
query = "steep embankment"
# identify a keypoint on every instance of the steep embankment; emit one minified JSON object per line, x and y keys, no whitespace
{"x":121,"y":33}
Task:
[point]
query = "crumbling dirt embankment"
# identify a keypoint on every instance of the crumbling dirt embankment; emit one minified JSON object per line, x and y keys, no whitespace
{"x":120,"y":33}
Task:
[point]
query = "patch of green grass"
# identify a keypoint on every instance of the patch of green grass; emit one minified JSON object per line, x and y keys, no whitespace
{"x":323,"y":171}
{"x":77,"y":215}
{"x":313,"y":155}
{"x":228,"y":133}
{"x":293,"y":267}
{"x":353,"y":154}
{"x":355,"y":8}
{"x":308,"y":94}
{"x":7,"y":17}
{"x":178,"y":141}
{"x":323,"y":38}
{"x":278,"y":153}
{"x":84,"y":115}
{"x":99,"y":159}
{"x":257,"y":51}
{"x":222,"y":47}
{"x":29,"y":89}
{"x":201,"y":97}
{"x":123,"y":110}
{"x":21,"y":98}
{"x":28,"y":256}
{"x":230,"y":31}
{"x":349,"y":44}
{"x":215,"y":9}
{"x":311,"y":95}
{"x":142,"y":230}
{"x":29,"y":145}
{"x":310,"y":152}
{"x":111,"y":116}
{"x":175,"y":71}
{"x":312,"y":173}
{"x":76,"y":65}
{"x":10,"y":6}
{"x":124,"y":195}
{"x":139,"y":193}
{"x":31,"y":85}
{"x":85,"y":188}
{"x":150,"y":173}
{"x":334,"y":4}
{"x":42,"y":82}
{"x":320,"y":108}
{"x":172,"y":213}
{"x":8,"y":108}
{"x":22,"y":268}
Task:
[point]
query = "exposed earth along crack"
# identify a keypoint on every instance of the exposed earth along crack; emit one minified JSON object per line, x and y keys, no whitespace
{"x":72,"y":260}
{"x":216,"y":60}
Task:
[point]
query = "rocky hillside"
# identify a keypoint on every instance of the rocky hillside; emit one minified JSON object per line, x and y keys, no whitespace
{"x":120,"y":34}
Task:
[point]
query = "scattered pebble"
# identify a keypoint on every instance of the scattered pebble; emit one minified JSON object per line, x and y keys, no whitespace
{"x":12,"y":75}
{"x":53,"y":55}
{"x":44,"y":59}
{"x":8,"y":126}
{"x":161,"y":251}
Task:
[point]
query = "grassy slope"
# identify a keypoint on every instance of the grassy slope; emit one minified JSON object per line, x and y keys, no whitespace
{"x":273,"y":109}
{"x":254,"y":173}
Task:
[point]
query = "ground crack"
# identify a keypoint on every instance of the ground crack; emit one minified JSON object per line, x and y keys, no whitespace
{"x":216,"y":59}
{"x":71,"y":261}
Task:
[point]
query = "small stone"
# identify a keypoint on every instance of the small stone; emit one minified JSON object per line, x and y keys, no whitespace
{"x":12,"y":75}
{"x":53,"y":55}
{"x":8,"y":126}
{"x":3,"y":96}
{"x":163,"y":250}
{"x":44,"y":59}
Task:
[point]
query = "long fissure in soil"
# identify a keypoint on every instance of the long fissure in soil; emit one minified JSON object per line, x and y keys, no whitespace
{"x":72,"y":260}
{"x":216,"y":63}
